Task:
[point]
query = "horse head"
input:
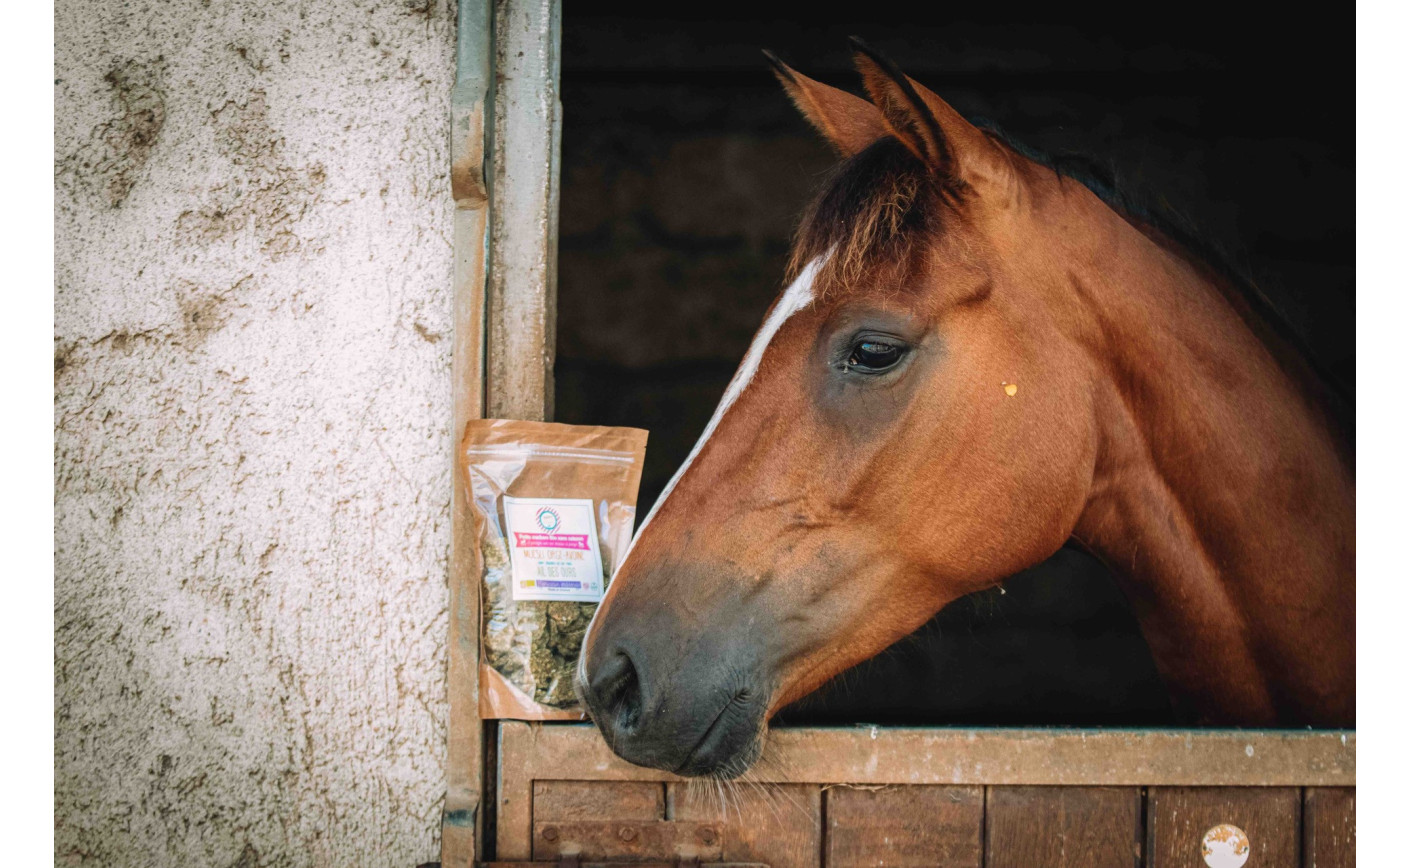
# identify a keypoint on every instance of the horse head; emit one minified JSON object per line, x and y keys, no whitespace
{"x":930,"y":406}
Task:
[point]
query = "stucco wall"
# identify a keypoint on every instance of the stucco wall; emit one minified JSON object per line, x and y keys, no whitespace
{"x":252,"y":412}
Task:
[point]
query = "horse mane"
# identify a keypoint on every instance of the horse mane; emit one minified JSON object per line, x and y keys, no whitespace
{"x":1268,"y":321}
{"x":876,"y":204}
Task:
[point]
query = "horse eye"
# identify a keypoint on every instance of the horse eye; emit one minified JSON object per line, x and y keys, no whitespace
{"x":873,"y":357}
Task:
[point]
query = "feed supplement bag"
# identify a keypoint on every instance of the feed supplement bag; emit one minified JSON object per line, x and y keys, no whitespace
{"x":553,"y":507}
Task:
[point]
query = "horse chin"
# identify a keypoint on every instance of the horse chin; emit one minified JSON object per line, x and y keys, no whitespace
{"x":727,"y":750}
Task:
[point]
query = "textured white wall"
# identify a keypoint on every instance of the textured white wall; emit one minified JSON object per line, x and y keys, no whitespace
{"x":252,"y":410}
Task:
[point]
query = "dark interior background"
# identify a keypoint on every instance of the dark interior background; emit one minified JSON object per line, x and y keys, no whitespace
{"x":685,"y":168}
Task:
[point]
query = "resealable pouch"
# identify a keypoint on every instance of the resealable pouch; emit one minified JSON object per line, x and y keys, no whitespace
{"x":553,"y":506}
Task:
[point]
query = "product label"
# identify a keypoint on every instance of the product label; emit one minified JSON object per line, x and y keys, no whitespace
{"x":553,"y":549}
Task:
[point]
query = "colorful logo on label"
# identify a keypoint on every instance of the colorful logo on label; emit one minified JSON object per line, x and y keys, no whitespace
{"x":548,"y":519}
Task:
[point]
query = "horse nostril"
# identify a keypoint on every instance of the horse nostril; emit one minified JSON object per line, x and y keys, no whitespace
{"x":619,"y":688}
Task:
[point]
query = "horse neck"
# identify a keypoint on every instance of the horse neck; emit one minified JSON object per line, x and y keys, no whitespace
{"x":1220,"y":494}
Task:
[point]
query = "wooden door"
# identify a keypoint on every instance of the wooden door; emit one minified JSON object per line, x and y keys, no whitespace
{"x":937,"y":797}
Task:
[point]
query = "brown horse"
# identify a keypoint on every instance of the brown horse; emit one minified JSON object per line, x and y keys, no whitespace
{"x":976,"y":360}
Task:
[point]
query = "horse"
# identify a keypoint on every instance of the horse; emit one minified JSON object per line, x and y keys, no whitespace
{"x":975,"y":360}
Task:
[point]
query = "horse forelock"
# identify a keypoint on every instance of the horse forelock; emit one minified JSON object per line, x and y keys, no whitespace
{"x":873,"y":214}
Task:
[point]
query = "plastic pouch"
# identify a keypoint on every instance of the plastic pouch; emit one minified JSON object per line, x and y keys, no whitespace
{"x":554,"y":507}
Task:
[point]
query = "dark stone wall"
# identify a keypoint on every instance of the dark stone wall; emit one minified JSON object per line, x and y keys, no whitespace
{"x":685,"y":168}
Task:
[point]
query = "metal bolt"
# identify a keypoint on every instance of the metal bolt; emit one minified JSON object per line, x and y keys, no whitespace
{"x":550,"y":833}
{"x":706,"y":835}
{"x":627,"y":833}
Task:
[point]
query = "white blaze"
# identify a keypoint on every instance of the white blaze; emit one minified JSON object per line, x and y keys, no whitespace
{"x":795,"y":298}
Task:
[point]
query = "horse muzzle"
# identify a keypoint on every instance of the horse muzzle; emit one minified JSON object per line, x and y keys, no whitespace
{"x":693,"y":708}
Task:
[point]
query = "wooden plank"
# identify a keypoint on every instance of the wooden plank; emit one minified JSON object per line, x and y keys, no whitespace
{"x":1063,"y":827}
{"x":1329,"y":827}
{"x":626,"y":840}
{"x":1178,"y":817}
{"x":779,"y":825}
{"x":522,"y":297}
{"x":462,"y":818}
{"x":559,"y":801}
{"x":904,"y":826}
{"x":464,"y":749}
{"x":618,"y":864}
{"x":518,"y":761}
{"x":1036,"y":757}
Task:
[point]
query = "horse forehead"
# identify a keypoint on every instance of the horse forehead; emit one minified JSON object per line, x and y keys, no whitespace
{"x":939,"y":271}
{"x":799,"y":296}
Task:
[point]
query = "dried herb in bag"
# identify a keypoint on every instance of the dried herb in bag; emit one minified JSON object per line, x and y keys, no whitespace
{"x":554,"y":506}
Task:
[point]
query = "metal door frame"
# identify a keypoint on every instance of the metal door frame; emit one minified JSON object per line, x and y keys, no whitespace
{"x":506,"y":119}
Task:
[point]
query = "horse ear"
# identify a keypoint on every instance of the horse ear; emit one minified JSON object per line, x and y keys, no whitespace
{"x":848,"y":122}
{"x":924,"y":122}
